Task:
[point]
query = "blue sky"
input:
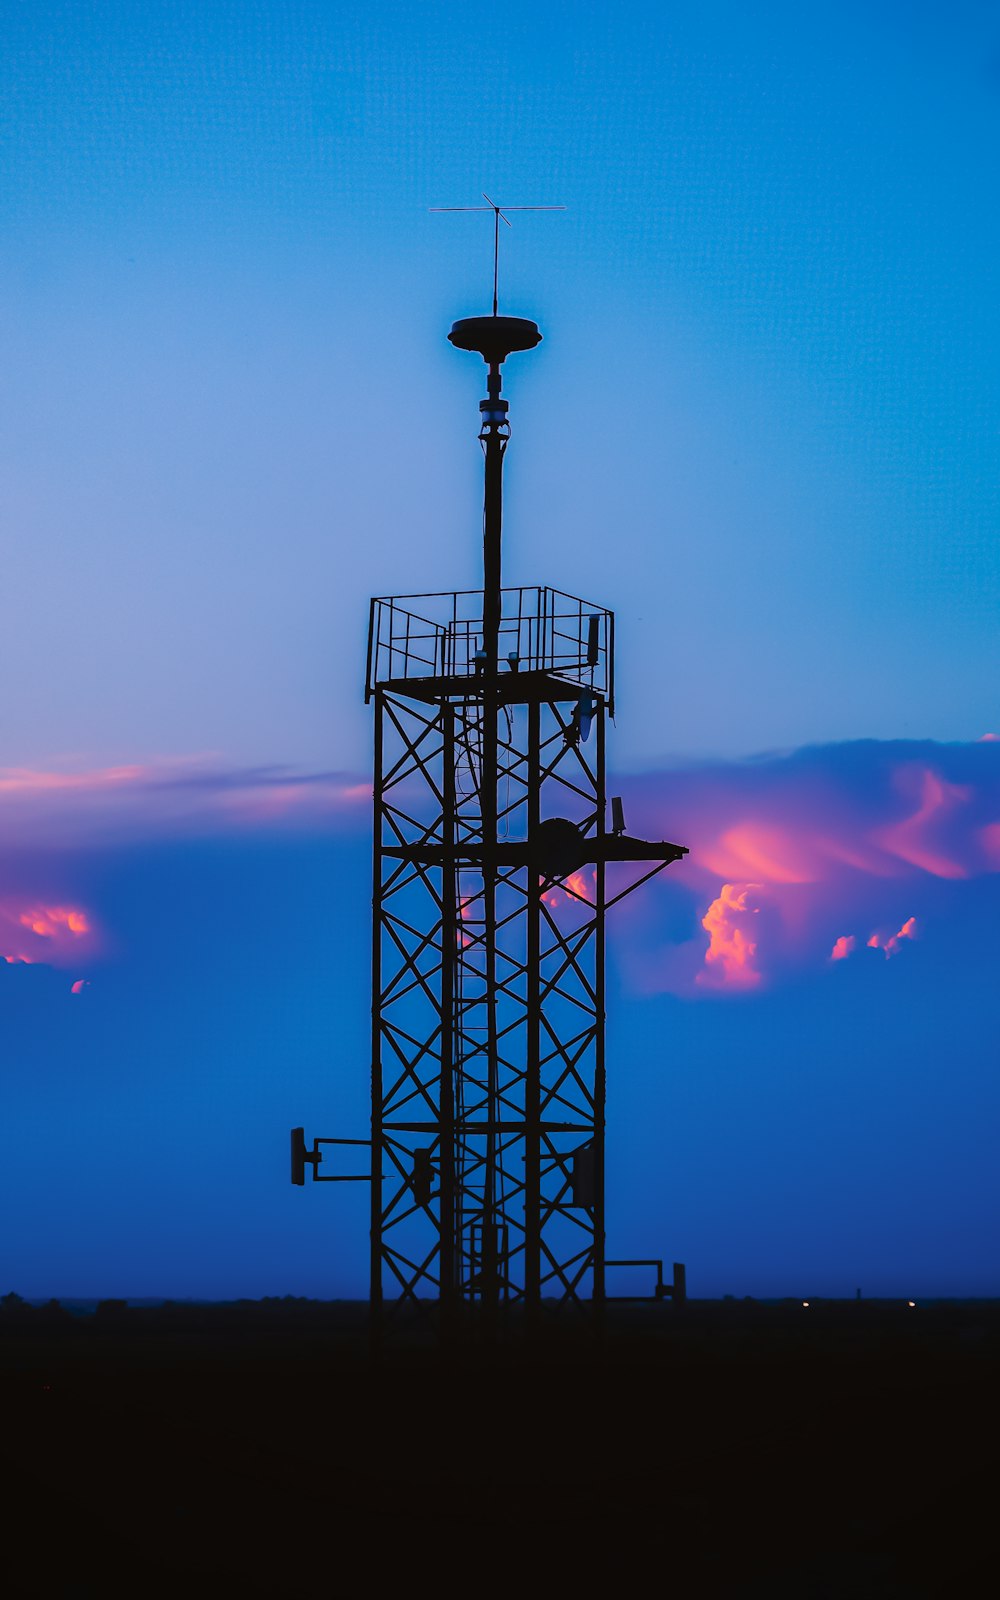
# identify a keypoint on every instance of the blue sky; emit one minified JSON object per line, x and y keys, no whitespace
{"x":768,"y":388}
{"x":762,"y":427}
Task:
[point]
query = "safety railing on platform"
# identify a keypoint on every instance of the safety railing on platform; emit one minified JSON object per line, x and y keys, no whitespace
{"x":440,"y":636}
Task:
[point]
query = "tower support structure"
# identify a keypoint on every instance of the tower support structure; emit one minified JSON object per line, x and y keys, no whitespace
{"x":495,"y":865}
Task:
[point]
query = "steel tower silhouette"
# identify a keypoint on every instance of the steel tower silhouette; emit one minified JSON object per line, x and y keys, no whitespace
{"x":495,"y":865}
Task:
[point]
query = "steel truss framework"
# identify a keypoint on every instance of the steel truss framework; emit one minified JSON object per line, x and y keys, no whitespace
{"x":488,"y":995}
{"x":499,"y":1222}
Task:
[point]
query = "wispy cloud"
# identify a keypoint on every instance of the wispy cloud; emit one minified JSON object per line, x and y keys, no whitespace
{"x":175,"y":795}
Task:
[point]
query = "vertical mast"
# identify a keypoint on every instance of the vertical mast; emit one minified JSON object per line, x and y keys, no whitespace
{"x":493,"y":338}
{"x":494,"y":435}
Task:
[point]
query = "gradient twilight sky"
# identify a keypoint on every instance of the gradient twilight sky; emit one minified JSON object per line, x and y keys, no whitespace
{"x":763,"y":427}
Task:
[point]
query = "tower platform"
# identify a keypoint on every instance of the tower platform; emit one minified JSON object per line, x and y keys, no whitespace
{"x":550,"y":646}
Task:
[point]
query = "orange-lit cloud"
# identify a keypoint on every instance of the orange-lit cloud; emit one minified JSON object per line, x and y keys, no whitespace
{"x":49,"y":921}
{"x":79,"y":986}
{"x":892,"y":945}
{"x":43,"y":932}
{"x":843,"y":947}
{"x":466,"y":913}
{"x":730,"y":960}
{"x":577,"y":888}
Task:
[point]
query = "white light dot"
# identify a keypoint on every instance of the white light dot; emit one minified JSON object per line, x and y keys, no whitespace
{"x":805,"y":1302}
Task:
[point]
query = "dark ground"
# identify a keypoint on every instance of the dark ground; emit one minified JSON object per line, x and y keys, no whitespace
{"x":730,"y":1448}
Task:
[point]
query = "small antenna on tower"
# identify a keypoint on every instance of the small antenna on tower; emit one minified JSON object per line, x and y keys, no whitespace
{"x":498,"y":215}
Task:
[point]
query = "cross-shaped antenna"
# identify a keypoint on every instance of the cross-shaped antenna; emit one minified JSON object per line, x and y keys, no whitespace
{"x":498,"y":214}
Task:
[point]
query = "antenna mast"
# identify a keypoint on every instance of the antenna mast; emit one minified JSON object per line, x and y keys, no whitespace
{"x":499,"y":215}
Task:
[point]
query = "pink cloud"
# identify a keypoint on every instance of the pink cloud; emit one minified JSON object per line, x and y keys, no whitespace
{"x":775,"y":855}
{"x":730,"y":960}
{"x":31,"y":781}
{"x":814,"y":817}
{"x":917,"y":838}
{"x":467,"y":913}
{"x":829,"y":836}
{"x":788,"y":848}
{"x":893,"y":944}
{"x":990,"y":837}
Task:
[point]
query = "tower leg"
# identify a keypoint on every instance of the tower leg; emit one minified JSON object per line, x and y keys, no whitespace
{"x":532,"y":1085}
{"x":450,"y":933}
{"x":375,"y":1292}
{"x":600,"y":1077}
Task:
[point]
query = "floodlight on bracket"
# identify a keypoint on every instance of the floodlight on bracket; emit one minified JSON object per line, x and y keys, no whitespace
{"x":302,"y":1157}
{"x":676,"y":1291}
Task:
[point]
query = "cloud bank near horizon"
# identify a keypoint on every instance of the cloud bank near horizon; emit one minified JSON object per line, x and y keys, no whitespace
{"x":823,"y":856}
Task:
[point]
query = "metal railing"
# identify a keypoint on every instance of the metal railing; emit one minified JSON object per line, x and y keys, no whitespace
{"x":441,"y":635}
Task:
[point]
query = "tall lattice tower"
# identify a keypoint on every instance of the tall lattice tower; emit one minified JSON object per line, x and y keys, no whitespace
{"x":495,"y":865}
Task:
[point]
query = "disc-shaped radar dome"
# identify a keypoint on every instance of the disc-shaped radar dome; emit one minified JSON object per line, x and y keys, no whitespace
{"x":494,"y":337}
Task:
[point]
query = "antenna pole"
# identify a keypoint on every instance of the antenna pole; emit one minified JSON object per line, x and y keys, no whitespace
{"x":494,"y":436}
{"x":499,"y":214}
